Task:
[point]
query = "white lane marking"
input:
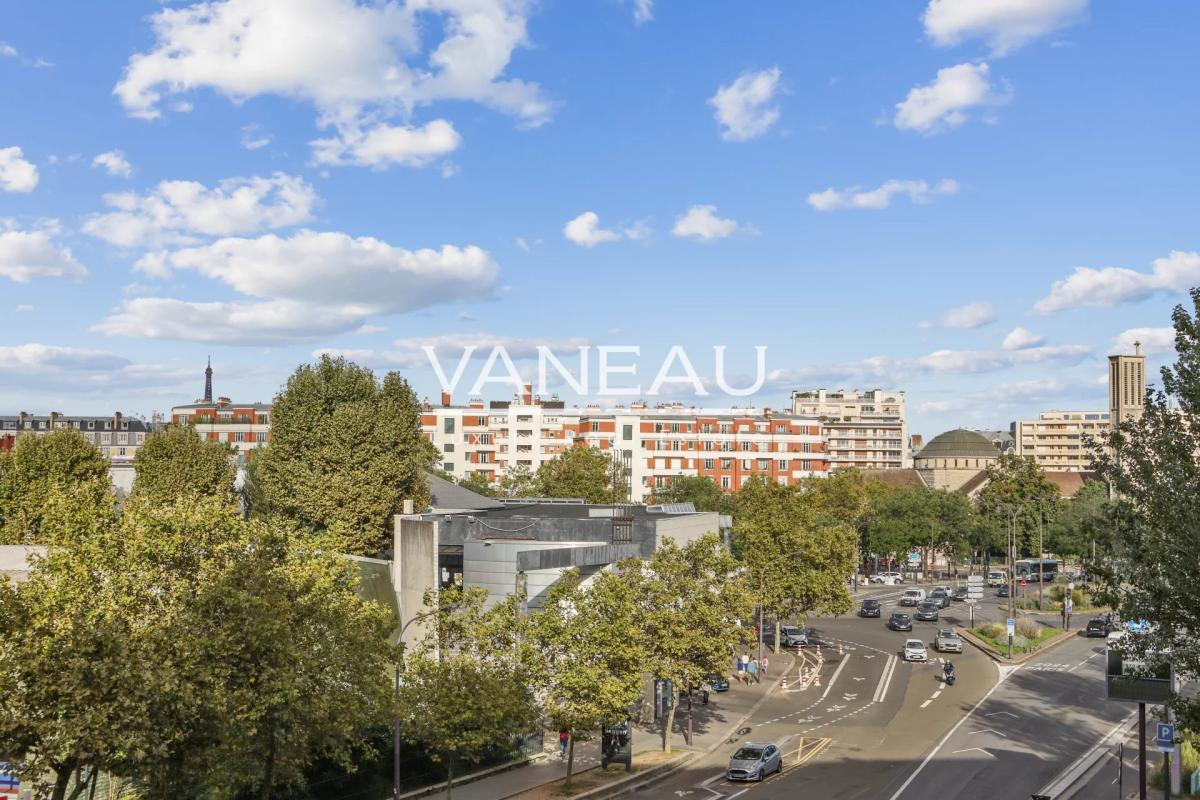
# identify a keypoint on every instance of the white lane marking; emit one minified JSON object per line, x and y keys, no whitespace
{"x":1085,"y":762}
{"x":937,"y":694}
{"x":1001,"y":714}
{"x":735,"y":794}
{"x":989,"y":730}
{"x":927,"y":702}
{"x":946,"y":738}
{"x":833,"y":680}
{"x":885,"y":680}
{"x":1081,"y":663}
{"x":970,"y":749}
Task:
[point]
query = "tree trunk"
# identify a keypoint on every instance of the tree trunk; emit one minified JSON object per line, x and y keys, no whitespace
{"x":269,"y":771}
{"x":778,"y":641}
{"x":450,"y":778}
{"x":80,"y":784}
{"x":689,"y":736}
{"x":570,"y":759}
{"x":62,"y":777}
{"x":669,"y":725}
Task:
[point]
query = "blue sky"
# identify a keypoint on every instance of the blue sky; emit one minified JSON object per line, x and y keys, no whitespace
{"x":881,"y":194}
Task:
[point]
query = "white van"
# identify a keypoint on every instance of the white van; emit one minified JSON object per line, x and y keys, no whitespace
{"x":996,"y":578}
{"x":912,"y":597}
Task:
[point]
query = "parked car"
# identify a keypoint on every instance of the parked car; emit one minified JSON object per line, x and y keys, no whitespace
{"x":914,"y":650}
{"x":900,"y":622}
{"x":939,"y":597}
{"x":718,"y":683}
{"x":947,"y":641}
{"x":1098,"y":626}
{"x":926,"y":612}
{"x":912,"y":597}
{"x":1002,"y":591}
{"x":753,"y":762}
{"x":960,"y":593}
{"x":791,"y":636}
{"x":870,"y":608}
{"x":887,"y":578}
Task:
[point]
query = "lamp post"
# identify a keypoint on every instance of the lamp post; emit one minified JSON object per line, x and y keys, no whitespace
{"x":396,"y":727}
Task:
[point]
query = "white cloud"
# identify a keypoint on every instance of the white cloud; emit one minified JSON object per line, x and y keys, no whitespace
{"x":384,"y":145}
{"x":1154,"y":341}
{"x":1005,"y":25}
{"x":743,"y":108}
{"x":585,"y":230}
{"x":1021,"y":339}
{"x":24,"y":308}
{"x":946,"y":103}
{"x":16,"y":174}
{"x":969,"y":317}
{"x":176,"y":212}
{"x":114,"y":163}
{"x":643,"y":11}
{"x":1110,"y":286}
{"x":639,"y":231}
{"x":357,"y":63}
{"x":7,"y":49}
{"x":917,"y":191}
{"x":702,"y":222}
{"x":316,"y":284}
{"x":29,"y":254}
{"x":254,"y":137}
{"x":75,"y":370}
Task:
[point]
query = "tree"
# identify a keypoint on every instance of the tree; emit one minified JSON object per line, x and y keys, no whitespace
{"x":847,"y":498}
{"x":578,"y":472}
{"x":689,"y":601}
{"x":41,"y":468}
{"x":346,"y":451}
{"x":793,"y":566}
{"x":465,"y":690}
{"x":176,"y":463}
{"x":589,"y":655}
{"x":699,"y":490}
{"x":477,"y":482}
{"x":1152,"y":466}
{"x":1017,"y":491}
{"x":518,"y":481}
{"x":920,"y":519}
{"x":1082,"y":524}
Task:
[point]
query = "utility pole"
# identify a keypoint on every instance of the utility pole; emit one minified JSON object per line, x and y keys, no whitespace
{"x":1142,"y":751}
{"x":1041,"y":550}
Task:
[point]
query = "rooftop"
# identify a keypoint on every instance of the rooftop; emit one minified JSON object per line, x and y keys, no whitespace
{"x":959,"y":443}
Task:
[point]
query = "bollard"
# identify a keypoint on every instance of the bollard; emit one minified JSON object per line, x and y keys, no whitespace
{"x":784,"y":684}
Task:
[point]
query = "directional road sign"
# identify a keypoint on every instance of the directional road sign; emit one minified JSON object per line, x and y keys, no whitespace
{"x":1165,"y":738}
{"x":1012,"y":626}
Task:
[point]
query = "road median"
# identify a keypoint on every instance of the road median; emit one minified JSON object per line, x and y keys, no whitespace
{"x":996,"y":655}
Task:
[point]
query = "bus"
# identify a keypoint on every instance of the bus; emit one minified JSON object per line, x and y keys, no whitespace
{"x":1035,"y":569}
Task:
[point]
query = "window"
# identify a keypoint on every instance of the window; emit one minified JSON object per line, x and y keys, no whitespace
{"x":447,"y":467}
{"x":448,"y":447}
{"x":709,"y":463}
{"x":782,"y":464}
{"x":240,"y":436}
{"x":122,"y":438}
{"x":764,"y":463}
{"x":726,"y":463}
{"x":627,"y":433}
{"x":725,"y":482}
{"x":745,"y":447}
{"x":745,"y":463}
{"x":121,"y":452}
{"x":595,"y":427}
{"x":106,"y":438}
{"x":260,"y":437}
{"x":448,"y":425}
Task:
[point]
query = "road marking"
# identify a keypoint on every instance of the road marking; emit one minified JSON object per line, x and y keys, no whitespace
{"x":970,"y":749}
{"x":989,"y":730}
{"x":832,"y":680}
{"x":885,"y":680}
{"x":927,"y":702}
{"x":1002,"y":714}
{"x":937,"y":694}
{"x":949,"y":733}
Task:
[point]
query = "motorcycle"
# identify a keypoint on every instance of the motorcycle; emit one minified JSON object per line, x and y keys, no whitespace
{"x":948,"y":674}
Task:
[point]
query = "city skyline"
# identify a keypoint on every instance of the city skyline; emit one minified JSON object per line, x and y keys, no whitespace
{"x":163,"y":196}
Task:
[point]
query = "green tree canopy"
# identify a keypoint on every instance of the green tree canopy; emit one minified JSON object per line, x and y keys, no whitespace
{"x":1082,"y":524}
{"x":907,"y":520}
{"x":346,"y":451}
{"x":579,"y":472}
{"x":61,"y":464}
{"x":517,"y":481}
{"x":176,"y":463}
{"x":478,"y":482}
{"x":1018,"y":491}
{"x":699,"y":490}
{"x":1153,"y":467}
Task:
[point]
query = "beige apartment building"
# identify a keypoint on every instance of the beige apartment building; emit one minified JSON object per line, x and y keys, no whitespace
{"x":1057,"y":439}
{"x":866,"y":430}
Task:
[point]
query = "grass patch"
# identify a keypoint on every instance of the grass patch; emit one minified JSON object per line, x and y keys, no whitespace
{"x":596,"y":777}
{"x":1028,"y":637}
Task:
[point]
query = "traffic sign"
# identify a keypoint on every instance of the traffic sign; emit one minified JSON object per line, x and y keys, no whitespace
{"x":1068,"y":605}
{"x":1023,"y":583}
{"x":975,"y":579}
{"x":1165,"y":738}
{"x":1012,"y":626}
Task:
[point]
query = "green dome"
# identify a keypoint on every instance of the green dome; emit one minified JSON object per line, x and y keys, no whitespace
{"x":959,"y":443}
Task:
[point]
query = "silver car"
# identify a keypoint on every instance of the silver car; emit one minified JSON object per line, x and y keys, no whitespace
{"x":947,"y":641}
{"x":753,"y":762}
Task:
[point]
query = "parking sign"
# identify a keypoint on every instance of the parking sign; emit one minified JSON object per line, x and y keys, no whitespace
{"x":1165,"y":738}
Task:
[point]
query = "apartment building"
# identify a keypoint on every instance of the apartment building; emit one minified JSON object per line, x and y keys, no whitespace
{"x":1127,"y":385}
{"x":659,"y":443}
{"x":118,"y":437}
{"x":866,"y":430}
{"x":1056,"y":438}
{"x":244,"y":426}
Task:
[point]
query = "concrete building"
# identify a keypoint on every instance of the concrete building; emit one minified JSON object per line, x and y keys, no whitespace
{"x":243,"y":426}
{"x":117,"y":437}
{"x":1056,"y":439}
{"x":1126,"y":385}
{"x":954,"y":459}
{"x":658,"y":443}
{"x":864,"y":430}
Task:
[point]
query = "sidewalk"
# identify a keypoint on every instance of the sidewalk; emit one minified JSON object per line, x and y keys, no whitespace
{"x":547,"y":769}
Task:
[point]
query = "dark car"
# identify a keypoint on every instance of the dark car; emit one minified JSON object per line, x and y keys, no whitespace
{"x":939,"y":598}
{"x":960,"y":593}
{"x":870,"y":608}
{"x":1002,"y":591}
{"x":900,"y":622}
{"x":1098,"y":626}
{"x":927,"y":612}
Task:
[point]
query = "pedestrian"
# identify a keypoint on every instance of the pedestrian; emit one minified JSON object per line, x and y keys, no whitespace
{"x":741,"y":668}
{"x":765,"y":662}
{"x":564,"y":739}
{"x":752,"y":669}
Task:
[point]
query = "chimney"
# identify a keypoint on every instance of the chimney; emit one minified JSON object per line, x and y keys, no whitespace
{"x":527,"y":395}
{"x":445,"y":399}
{"x":425,"y":404}
{"x":24,"y":418}
{"x":54,"y":416}
{"x":223,"y":401}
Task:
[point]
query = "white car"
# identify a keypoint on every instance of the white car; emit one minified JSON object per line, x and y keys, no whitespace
{"x":887,"y":578}
{"x":914,"y":650}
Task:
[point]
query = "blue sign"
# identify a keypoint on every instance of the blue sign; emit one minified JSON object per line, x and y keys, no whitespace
{"x":1137,"y":626}
{"x":1165,"y":738}
{"x":914,"y":558}
{"x":8,"y":783}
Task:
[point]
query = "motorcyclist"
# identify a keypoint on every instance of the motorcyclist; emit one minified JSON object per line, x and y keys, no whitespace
{"x":948,"y":672}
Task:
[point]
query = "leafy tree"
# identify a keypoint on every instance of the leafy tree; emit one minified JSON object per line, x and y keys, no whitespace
{"x":1083,"y":524}
{"x":1018,"y":490}
{"x":589,"y":654}
{"x":1153,"y":468}
{"x":579,"y":472}
{"x":465,"y":690}
{"x":40,"y":468}
{"x":847,"y":498}
{"x":346,"y":451}
{"x":921,"y":519}
{"x":478,"y":482}
{"x":689,"y":603}
{"x":176,"y":463}
{"x":699,"y":490}
{"x":793,"y":566}
{"x":518,"y":481}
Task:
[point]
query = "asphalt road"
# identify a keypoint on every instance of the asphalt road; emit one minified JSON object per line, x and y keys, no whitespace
{"x":877,"y":727}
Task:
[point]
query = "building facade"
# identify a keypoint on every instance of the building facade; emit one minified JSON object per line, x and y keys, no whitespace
{"x":1056,"y":439}
{"x":118,"y":437}
{"x":244,"y":426}
{"x":956,"y":460}
{"x":865,"y":430}
{"x":1126,"y":385}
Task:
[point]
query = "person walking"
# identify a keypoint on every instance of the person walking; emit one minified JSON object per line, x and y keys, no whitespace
{"x":752,"y":670}
{"x":765,"y":663}
{"x":564,"y":739}
{"x":741,"y":668}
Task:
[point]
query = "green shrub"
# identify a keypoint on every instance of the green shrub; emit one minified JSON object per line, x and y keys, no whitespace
{"x":994,"y":631}
{"x":1029,"y":629}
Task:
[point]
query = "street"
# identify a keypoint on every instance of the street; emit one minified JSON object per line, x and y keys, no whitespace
{"x":874,"y":726}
